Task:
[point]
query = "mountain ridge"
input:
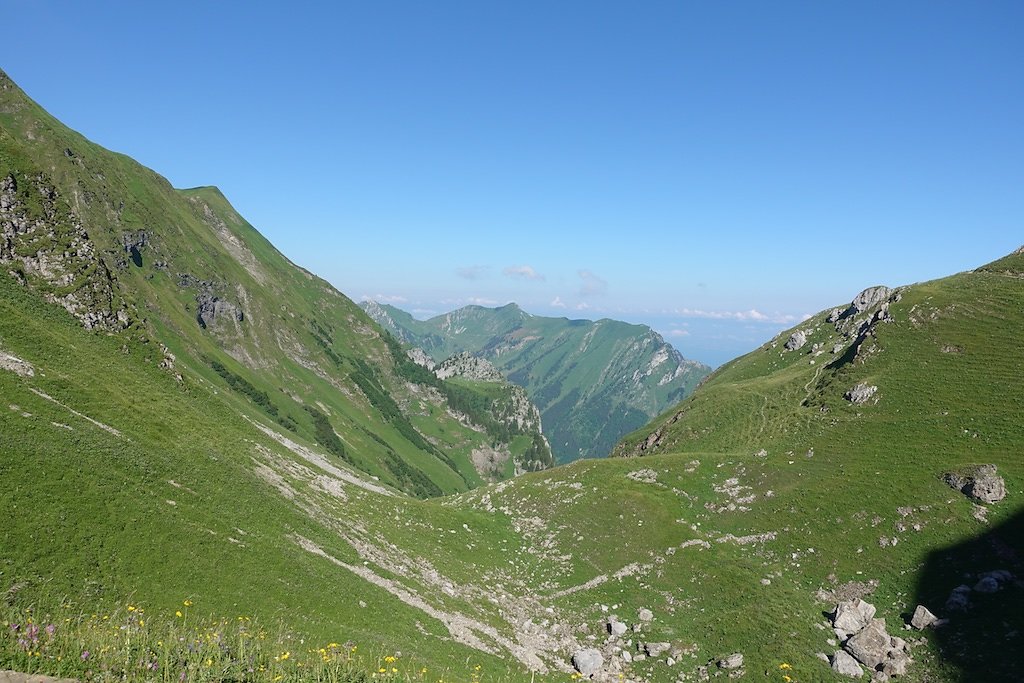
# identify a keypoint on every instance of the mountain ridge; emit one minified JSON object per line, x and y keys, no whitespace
{"x":594,"y":381}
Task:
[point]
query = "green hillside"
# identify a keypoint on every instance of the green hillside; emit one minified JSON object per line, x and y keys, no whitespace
{"x":190,"y":424}
{"x":183,"y":275}
{"x":594,"y":382}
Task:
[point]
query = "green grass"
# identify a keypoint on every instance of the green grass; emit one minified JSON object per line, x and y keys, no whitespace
{"x":190,"y":499}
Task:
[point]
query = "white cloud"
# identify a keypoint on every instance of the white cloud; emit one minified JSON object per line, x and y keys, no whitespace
{"x":592,"y":284}
{"x":583,"y":306}
{"x":472,"y":272}
{"x":480,"y":301}
{"x":557,"y":302}
{"x":523,"y":272}
{"x":385,"y":298}
{"x":751,"y":315}
{"x":679,"y":333}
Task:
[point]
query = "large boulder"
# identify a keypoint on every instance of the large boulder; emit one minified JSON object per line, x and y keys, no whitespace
{"x":923,"y":618}
{"x":870,"y":297}
{"x":851,"y":616}
{"x":588,"y":662}
{"x":980,"y":483}
{"x":796,"y":340}
{"x":870,"y":645}
{"x":733,"y":661}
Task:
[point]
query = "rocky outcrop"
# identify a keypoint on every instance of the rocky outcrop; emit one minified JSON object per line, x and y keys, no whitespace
{"x":869,"y":298}
{"x":733,"y":661}
{"x":420,"y":357}
{"x":865,"y":640}
{"x":469,"y":366}
{"x":861,"y":393}
{"x":980,"y":483}
{"x":796,"y":340}
{"x":44,"y":245}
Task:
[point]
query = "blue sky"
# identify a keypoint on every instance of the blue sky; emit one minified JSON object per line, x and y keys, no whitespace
{"x":715,"y":169}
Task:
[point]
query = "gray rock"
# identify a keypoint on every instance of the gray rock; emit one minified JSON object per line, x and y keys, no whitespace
{"x":896,"y":663}
{"x":860,"y":393}
{"x":626,"y":657}
{"x":656,"y":649}
{"x":851,"y":616}
{"x":733,"y":661}
{"x":879,"y":677}
{"x":588,"y":662}
{"x":870,"y":645}
{"x":870,"y":297}
{"x":959,"y":600}
{"x":845,"y":665}
{"x":796,"y":340}
{"x":645,"y":614}
{"x":923,"y":618}
{"x":616,"y":628}
{"x":986,"y":584}
{"x":980,"y":483}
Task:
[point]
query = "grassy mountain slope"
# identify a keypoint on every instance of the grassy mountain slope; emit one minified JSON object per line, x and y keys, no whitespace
{"x":114,"y":244}
{"x":593,"y":381}
{"x":122,"y":481}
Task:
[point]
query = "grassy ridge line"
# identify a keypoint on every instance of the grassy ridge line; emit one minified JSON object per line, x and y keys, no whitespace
{"x":160,"y":250}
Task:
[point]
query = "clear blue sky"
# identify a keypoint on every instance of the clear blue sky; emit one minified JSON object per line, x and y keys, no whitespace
{"x":716,"y":169}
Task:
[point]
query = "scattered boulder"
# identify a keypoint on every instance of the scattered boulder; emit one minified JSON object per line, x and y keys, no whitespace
{"x":796,"y":340}
{"x":923,"y":618}
{"x":870,"y":644}
{"x":733,"y":661}
{"x":616,"y":627}
{"x":645,"y":614}
{"x":588,"y":662}
{"x":860,"y":393}
{"x":959,"y":600}
{"x":845,"y":665}
{"x":980,"y":483}
{"x":656,"y":649}
{"x":852,"y":615}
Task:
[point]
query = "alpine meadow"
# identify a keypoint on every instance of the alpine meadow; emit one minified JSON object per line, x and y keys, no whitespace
{"x":216,"y":467}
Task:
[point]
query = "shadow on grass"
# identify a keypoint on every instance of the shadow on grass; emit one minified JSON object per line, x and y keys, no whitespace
{"x":985,"y":642}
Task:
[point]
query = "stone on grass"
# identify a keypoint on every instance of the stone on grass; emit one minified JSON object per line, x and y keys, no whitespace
{"x":959,"y":600}
{"x":655,"y":649}
{"x":861,"y":393}
{"x":923,"y":618}
{"x":616,"y":627}
{"x":645,"y":614}
{"x":851,"y":616}
{"x":588,"y":662}
{"x":980,"y":483}
{"x":733,"y":661}
{"x":870,"y":645}
{"x":845,"y":665}
{"x":796,"y":340}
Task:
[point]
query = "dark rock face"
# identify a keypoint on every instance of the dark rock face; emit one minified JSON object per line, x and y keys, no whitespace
{"x":212,"y":308}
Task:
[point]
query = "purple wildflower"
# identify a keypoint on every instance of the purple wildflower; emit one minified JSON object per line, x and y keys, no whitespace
{"x":85,"y":655}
